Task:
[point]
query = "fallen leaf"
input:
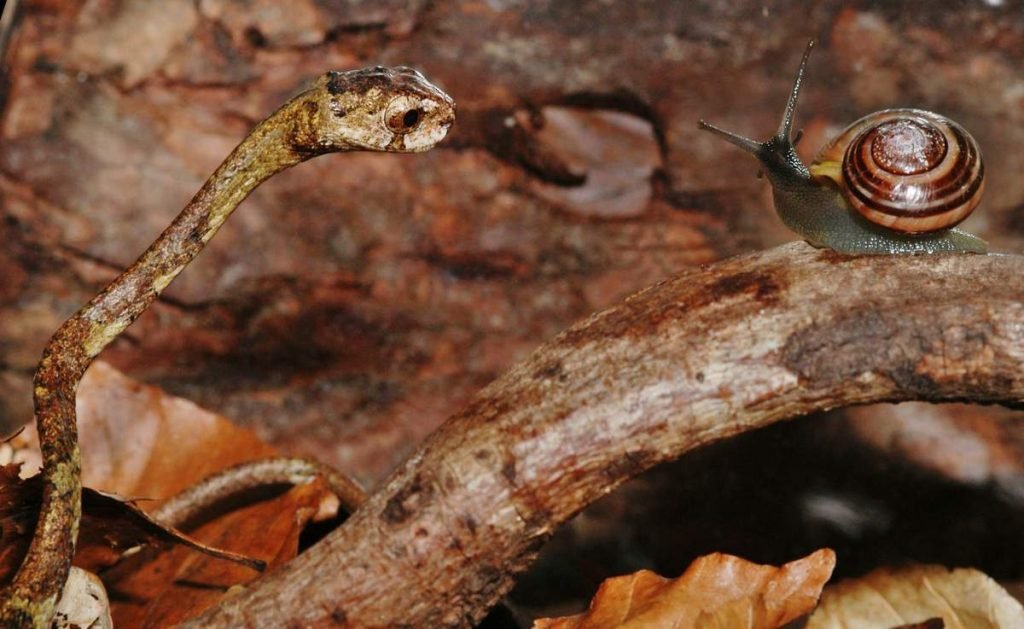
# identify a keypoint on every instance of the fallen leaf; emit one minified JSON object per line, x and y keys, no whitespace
{"x":141,"y":443}
{"x":178,"y":584}
{"x":109,"y":527}
{"x":717,"y":590}
{"x":963,"y":597}
{"x":967,"y":443}
{"x":612,"y":155}
{"x":84,"y":604}
{"x":18,"y":505}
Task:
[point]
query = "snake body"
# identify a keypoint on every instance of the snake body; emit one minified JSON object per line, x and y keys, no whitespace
{"x":375,"y":109}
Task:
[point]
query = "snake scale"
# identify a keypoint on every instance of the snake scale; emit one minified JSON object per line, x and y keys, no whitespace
{"x":374,"y":109}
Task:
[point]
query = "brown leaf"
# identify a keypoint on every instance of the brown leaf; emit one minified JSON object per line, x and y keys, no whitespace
{"x":109,"y":526}
{"x":963,"y":597}
{"x":611,"y":154}
{"x":139,"y":442}
{"x":179,"y":583}
{"x":965,"y":442}
{"x":18,"y":505}
{"x":931,"y":623}
{"x":717,"y":590}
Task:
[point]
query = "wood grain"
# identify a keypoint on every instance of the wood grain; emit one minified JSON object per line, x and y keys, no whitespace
{"x":714,"y":352}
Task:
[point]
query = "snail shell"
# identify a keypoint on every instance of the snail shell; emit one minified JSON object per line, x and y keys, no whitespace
{"x":910,"y":170}
{"x":905,"y":176}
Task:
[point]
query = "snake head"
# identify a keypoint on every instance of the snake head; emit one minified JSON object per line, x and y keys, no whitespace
{"x":376,"y":109}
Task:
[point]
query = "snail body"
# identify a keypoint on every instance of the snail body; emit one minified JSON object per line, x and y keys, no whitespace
{"x":894,"y":182}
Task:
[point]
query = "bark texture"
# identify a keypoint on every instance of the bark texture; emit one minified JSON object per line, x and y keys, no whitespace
{"x":711,"y":353}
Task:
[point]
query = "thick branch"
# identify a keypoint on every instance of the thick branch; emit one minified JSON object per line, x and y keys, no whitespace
{"x":712,"y":353}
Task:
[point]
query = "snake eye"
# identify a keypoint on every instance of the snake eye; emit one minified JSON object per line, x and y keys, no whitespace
{"x":403,"y":114}
{"x":403,"y":121}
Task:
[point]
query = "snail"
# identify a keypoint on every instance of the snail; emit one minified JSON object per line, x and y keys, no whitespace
{"x":896,"y":181}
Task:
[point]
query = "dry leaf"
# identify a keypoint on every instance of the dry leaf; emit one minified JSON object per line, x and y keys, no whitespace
{"x":963,"y":597}
{"x":965,"y":442}
{"x":84,"y":604}
{"x":139,"y":442}
{"x":611,"y":153}
{"x":179,"y":584}
{"x":19,"y":502}
{"x":931,"y":623}
{"x":109,"y":526}
{"x":717,"y":590}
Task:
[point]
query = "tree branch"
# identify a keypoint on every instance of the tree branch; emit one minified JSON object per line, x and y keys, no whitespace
{"x":711,"y":353}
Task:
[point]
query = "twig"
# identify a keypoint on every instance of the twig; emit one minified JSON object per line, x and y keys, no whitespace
{"x":7,"y":18}
{"x":710,"y":354}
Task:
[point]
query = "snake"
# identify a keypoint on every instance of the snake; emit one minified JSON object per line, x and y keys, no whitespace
{"x":372,"y":109}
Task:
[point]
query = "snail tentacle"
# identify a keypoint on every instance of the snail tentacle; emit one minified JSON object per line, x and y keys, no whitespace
{"x":785,"y":131}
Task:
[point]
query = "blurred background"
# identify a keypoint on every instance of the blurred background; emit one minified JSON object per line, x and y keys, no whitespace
{"x":357,"y":300}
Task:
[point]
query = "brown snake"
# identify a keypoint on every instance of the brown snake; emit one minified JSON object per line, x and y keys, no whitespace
{"x":376,"y":109}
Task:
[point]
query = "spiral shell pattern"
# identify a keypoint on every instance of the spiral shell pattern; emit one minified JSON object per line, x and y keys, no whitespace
{"x":912,"y":171}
